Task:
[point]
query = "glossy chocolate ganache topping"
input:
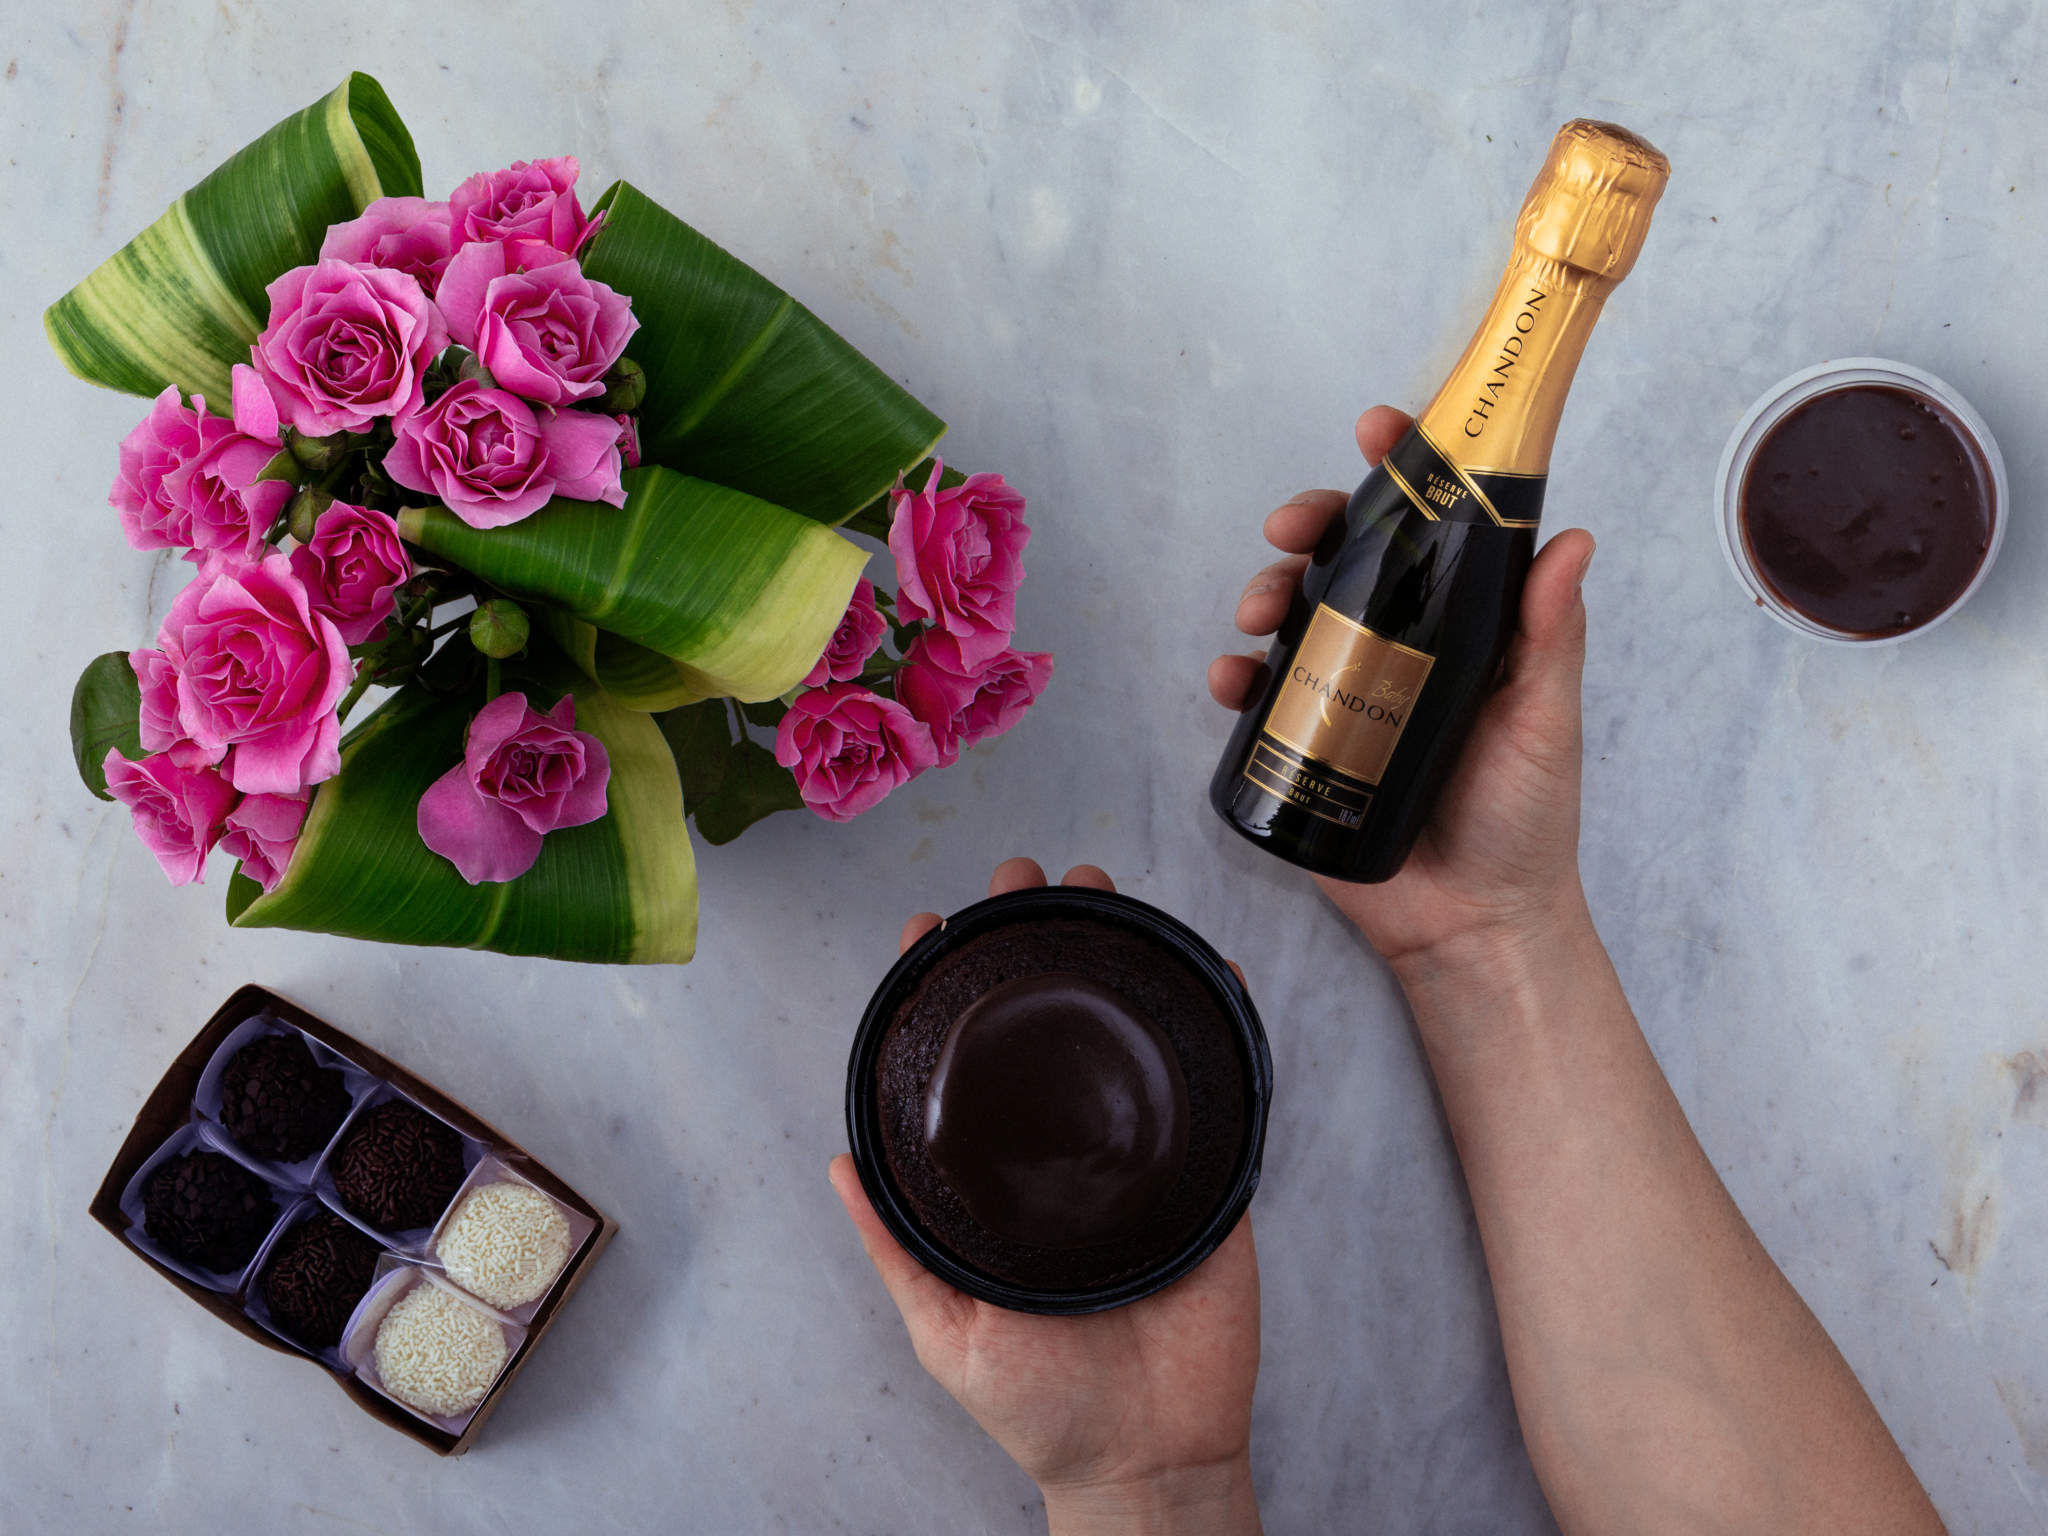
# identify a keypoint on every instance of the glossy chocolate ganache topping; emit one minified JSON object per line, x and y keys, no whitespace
{"x":1058,"y":1115}
{"x":1061,"y":1102}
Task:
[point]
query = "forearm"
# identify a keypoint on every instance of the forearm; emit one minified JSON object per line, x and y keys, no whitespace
{"x":1204,"y":1501}
{"x":1667,"y":1376}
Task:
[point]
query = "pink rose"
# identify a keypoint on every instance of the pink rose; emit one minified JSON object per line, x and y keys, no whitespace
{"x":261,"y":831}
{"x":494,"y":459}
{"x":229,"y":507}
{"x":530,"y":207}
{"x":158,"y":727}
{"x":160,"y":443}
{"x":629,"y":439}
{"x":401,"y":234}
{"x":548,"y":334}
{"x":259,"y":673}
{"x":959,"y":560}
{"x":522,"y":775}
{"x":177,"y":811}
{"x":346,"y":345}
{"x":858,"y":637}
{"x":187,"y":478}
{"x":255,"y":408}
{"x":352,"y":569}
{"x":964,"y":705}
{"x":849,"y":747}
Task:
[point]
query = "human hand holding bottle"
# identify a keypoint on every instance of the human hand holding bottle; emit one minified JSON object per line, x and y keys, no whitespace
{"x":1136,"y":1419}
{"x":1497,"y":862}
{"x":1666,"y":1375}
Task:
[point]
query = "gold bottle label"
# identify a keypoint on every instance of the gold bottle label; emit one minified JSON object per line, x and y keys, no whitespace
{"x":1337,"y":718}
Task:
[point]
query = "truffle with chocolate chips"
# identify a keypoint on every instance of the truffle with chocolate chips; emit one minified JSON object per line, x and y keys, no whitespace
{"x":277,"y":1102}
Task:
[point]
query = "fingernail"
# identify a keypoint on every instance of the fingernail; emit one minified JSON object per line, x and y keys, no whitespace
{"x":1585,"y":564}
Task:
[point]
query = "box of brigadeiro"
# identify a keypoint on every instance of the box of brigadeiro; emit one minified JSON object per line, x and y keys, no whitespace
{"x":319,"y":1198}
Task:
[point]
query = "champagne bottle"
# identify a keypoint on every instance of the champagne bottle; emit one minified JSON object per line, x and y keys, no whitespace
{"x":1407,"y":608}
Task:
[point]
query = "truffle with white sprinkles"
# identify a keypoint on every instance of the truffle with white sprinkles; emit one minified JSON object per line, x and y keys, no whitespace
{"x":505,"y":1243}
{"x":437,"y":1353}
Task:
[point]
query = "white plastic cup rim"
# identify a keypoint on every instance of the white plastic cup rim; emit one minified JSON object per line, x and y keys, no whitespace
{"x":1772,"y":407}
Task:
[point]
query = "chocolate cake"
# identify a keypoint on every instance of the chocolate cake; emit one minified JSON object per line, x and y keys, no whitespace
{"x":208,"y":1210}
{"x":398,"y":1166}
{"x":1062,"y":1102}
{"x":315,"y":1276}
{"x":277,"y":1102}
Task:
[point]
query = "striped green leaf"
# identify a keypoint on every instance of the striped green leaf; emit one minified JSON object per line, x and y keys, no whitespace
{"x":741,"y":596}
{"x":621,"y":889}
{"x":637,"y":677}
{"x":745,"y":386}
{"x":182,"y":301}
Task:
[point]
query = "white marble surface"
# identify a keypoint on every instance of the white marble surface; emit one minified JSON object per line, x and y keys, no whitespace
{"x":1150,"y":259}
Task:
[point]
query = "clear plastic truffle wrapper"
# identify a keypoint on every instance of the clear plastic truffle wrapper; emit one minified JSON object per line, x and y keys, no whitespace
{"x":258,"y":1307}
{"x":495,"y":1169}
{"x":395,"y":1279}
{"x":412,"y":1241}
{"x":197,"y":1136}
{"x":207,"y":1097}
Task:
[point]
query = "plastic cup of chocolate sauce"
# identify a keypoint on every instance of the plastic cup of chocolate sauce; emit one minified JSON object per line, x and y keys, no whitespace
{"x":1861,"y":501}
{"x":1057,"y":1100}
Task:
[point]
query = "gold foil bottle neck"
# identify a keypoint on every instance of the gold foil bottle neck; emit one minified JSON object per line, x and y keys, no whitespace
{"x":1590,"y":205}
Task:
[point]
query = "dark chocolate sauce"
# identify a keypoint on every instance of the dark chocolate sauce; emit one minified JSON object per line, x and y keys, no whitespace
{"x":1867,"y":509}
{"x":1057,"y":1114}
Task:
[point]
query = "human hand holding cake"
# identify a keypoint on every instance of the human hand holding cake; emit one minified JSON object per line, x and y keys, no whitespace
{"x":1140,"y":1414}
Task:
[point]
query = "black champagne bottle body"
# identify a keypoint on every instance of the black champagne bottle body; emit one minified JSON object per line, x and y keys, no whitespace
{"x":1448,"y":589}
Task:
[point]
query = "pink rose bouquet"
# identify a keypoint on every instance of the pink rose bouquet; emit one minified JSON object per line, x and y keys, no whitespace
{"x":452,"y":350}
{"x":482,"y":554}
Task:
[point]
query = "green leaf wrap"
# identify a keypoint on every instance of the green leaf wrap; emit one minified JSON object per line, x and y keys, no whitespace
{"x":182,"y":301}
{"x":745,"y":386}
{"x":739,"y":595}
{"x":622,"y":888}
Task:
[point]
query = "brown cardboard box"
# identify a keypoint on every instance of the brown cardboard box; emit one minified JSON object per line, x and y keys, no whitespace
{"x":171,"y":1105}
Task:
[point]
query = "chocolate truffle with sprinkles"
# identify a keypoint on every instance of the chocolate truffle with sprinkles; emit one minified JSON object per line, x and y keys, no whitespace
{"x":437,"y":1353}
{"x":315,"y":1276}
{"x":398,"y":1167}
{"x":208,"y":1210}
{"x":505,"y":1243}
{"x":278,"y":1102}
